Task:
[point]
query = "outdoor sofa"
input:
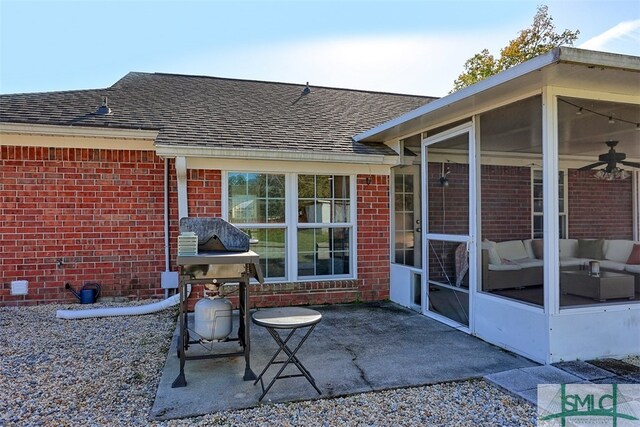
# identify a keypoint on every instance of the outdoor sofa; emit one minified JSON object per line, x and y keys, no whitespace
{"x":519,"y":263}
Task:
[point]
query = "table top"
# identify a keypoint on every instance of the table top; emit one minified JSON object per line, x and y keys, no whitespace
{"x":603,"y":274}
{"x":286,"y":317}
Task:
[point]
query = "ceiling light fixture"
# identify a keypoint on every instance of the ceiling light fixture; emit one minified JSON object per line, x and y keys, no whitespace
{"x":616,"y":174}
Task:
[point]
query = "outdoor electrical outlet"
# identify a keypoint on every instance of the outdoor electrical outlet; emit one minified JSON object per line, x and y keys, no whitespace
{"x":19,"y":287}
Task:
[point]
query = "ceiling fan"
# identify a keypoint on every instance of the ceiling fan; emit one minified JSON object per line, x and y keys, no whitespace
{"x":611,"y":159}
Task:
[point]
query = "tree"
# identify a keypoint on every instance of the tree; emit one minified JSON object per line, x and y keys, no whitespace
{"x":540,"y":38}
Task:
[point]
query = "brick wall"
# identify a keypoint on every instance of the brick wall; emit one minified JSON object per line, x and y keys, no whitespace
{"x":599,"y":209}
{"x":77,"y":216}
{"x":374,"y":224}
{"x":506,"y":202}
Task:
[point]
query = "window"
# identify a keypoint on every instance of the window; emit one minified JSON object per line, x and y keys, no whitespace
{"x":537,"y":204}
{"x":406,"y":218}
{"x":264,"y":206}
{"x":257,"y":206}
{"x":324,"y":225}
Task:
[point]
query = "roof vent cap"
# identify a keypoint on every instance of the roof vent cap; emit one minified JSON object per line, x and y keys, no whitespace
{"x":306,"y":90}
{"x":104,"y":109}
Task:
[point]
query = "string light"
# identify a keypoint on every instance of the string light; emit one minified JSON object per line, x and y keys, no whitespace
{"x":607,"y":116}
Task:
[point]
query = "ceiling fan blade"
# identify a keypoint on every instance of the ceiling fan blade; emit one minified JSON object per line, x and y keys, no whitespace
{"x":632,"y":164}
{"x":591,"y":166}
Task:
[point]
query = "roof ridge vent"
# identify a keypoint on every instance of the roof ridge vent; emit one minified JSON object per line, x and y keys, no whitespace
{"x":104,"y":109}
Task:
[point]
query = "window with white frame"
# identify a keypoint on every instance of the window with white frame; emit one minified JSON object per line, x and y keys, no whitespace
{"x":257,"y":205}
{"x":324,"y":225}
{"x":322,"y":230}
{"x":537,"y":204}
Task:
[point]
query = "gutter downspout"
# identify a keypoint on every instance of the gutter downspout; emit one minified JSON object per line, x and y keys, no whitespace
{"x":167,"y":264}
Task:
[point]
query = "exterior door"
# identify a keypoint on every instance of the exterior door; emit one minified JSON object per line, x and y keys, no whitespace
{"x":406,"y":257}
{"x":448,"y":202}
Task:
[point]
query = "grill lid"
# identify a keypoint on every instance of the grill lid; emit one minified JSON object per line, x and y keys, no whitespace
{"x":216,"y":234}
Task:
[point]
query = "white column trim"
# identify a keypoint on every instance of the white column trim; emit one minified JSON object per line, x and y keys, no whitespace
{"x":551,"y":202}
{"x":635,"y":179}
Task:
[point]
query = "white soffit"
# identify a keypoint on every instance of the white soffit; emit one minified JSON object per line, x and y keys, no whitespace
{"x":562,"y":67}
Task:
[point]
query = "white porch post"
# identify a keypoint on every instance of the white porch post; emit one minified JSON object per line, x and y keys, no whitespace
{"x":635,"y":188}
{"x":550,"y":209}
{"x":181,"y":175}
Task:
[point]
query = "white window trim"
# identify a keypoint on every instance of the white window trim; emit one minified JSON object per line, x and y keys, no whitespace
{"x":292,"y":226}
{"x":353,"y":200}
{"x":565,"y":198}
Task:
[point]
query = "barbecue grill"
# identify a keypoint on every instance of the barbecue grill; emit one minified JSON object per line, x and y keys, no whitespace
{"x":219,"y":244}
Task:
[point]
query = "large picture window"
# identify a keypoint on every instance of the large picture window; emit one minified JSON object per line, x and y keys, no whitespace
{"x":257,"y":206}
{"x":317,"y":242}
{"x":324,"y":225}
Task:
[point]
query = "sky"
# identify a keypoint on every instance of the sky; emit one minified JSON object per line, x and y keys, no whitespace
{"x":413,"y":47}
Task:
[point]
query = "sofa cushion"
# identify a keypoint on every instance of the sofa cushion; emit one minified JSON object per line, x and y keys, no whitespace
{"x":529,"y":262}
{"x":568,"y":248}
{"x":504,"y":267}
{"x":617,"y":250}
{"x":632,"y":268}
{"x":527,"y":246}
{"x":512,"y":249}
{"x":634,"y":256}
{"x":490,"y":246}
{"x":612,"y":265}
{"x":537,"y":245}
{"x":592,"y":249}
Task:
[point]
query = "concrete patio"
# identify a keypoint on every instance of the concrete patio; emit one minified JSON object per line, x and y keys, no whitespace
{"x":355,"y":348}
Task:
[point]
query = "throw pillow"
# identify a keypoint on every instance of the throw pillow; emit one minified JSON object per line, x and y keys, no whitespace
{"x":592,"y":249}
{"x":490,"y":246}
{"x":538,"y":248}
{"x":634,"y":256}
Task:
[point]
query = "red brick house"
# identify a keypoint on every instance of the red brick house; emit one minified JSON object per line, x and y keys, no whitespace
{"x":481,"y":209}
{"x":83,"y":185}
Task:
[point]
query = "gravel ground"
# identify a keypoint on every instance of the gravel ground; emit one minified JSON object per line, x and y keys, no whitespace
{"x":94,"y":372}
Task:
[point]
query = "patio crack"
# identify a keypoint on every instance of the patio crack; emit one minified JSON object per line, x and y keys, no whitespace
{"x":354,"y":358}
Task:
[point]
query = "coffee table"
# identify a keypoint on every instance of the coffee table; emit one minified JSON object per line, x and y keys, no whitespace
{"x":607,"y":285}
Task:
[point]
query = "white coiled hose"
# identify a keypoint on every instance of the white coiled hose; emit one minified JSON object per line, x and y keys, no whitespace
{"x":123,"y":311}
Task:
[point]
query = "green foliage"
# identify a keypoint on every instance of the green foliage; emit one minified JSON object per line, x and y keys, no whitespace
{"x":536,"y":40}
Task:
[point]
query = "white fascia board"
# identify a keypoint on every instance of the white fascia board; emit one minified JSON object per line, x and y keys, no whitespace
{"x":77,"y":131}
{"x":449,"y":100}
{"x":257,"y":154}
{"x":599,"y":59}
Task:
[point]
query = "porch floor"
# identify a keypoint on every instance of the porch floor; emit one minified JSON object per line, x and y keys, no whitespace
{"x":355,"y":348}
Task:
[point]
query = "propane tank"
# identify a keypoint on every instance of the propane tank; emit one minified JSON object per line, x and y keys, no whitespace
{"x":213,"y":316}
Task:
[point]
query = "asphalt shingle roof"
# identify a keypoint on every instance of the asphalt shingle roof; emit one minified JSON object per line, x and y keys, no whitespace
{"x":221,"y":113}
